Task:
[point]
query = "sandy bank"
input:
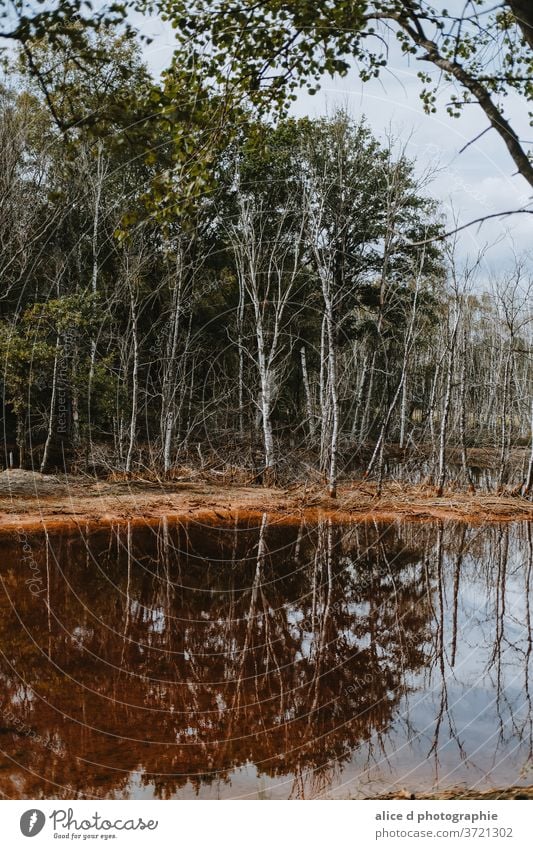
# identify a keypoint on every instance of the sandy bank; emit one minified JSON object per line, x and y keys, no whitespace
{"x":516,"y":792}
{"x":27,"y":501}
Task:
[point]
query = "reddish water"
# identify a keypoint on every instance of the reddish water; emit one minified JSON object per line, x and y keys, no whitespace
{"x":271,"y":661}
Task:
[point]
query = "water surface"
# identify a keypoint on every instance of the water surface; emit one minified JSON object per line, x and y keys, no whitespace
{"x":257,"y":659}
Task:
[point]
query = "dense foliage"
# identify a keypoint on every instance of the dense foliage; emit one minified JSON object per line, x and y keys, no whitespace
{"x":189,"y":284}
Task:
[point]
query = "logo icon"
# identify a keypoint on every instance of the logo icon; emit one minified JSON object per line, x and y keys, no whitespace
{"x":32,"y":822}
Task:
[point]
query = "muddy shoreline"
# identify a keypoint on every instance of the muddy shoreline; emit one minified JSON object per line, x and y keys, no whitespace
{"x":464,"y":793}
{"x":29,"y":501}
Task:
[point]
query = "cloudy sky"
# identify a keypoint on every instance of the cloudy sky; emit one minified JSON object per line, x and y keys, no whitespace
{"x":477,"y":182}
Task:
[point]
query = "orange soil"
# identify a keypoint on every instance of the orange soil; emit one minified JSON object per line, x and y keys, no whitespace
{"x":75,"y":501}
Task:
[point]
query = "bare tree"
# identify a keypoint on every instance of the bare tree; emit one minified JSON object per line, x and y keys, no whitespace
{"x":267,"y":255}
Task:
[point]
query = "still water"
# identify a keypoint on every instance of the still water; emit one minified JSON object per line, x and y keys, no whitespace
{"x":256,"y":659}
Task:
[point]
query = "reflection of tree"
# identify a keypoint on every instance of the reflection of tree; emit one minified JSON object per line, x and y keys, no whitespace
{"x":182,"y":652}
{"x":511,"y":611}
{"x":185,"y":652}
{"x":440,"y":653}
{"x":529,"y":641}
{"x":490,"y":638}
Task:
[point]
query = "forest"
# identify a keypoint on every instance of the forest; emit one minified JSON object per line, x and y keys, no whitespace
{"x":188,"y":284}
{"x":266,"y":374}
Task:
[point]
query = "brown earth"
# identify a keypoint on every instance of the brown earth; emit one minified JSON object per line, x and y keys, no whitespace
{"x":466,"y":794}
{"x":28,"y":500}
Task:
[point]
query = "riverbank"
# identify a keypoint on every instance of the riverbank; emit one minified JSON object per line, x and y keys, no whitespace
{"x":457,"y":793}
{"x":28,"y":500}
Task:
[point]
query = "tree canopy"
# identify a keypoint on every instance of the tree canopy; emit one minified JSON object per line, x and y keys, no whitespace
{"x":189,"y":272}
{"x":269,"y":49}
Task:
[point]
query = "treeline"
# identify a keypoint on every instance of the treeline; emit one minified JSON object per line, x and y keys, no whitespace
{"x":299,"y":316}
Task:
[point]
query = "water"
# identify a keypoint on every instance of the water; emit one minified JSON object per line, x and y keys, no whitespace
{"x":261,"y":660}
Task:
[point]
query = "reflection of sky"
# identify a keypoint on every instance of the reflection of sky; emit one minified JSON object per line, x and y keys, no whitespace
{"x":480,"y":740}
{"x":484,"y":735}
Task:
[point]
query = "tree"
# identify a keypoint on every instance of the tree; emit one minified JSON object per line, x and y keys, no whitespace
{"x":94,"y":84}
{"x":363,"y":207}
{"x":23,"y":22}
{"x":267,"y":247}
{"x":269,"y":49}
{"x":194,"y":288}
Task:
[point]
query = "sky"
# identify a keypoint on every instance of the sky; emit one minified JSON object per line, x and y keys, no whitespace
{"x":479,"y":181}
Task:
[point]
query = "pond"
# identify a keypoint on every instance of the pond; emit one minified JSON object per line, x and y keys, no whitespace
{"x":259,"y":659}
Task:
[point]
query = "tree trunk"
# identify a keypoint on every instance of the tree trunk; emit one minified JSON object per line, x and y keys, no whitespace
{"x":366,"y":412}
{"x":462,"y":417}
{"x":528,"y":483}
{"x":359,"y":396}
{"x":505,"y":430}
{"x":441,"y":476}
{"x":403,"y":412}
{"x":268,"y":438}
{"x":333,"y":398}
{"x":240,"y":388}
{"x":307,"y":390}
{"x":21,"y":439}
{"x":52,"y":416}
{"x":75,"y":401}
{"x":100,"y":175}
{"x":523,"y":12}
{"x":134,"y":387}
{"x":170,"y":375}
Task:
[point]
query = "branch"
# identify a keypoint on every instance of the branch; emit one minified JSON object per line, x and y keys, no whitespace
{"x":442,"y":236}
{"x":523,"y":12}
{"x":474,"y":140}
{"x":410,"y":23}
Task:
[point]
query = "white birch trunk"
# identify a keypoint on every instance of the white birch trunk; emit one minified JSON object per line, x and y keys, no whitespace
{"x":135,"y":384}
{"x":307,"y":390}
{"x":441,"y":474}
{"x":52,"y":417}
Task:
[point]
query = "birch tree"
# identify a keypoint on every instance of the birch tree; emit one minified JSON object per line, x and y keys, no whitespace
{"x":267,"y":256}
